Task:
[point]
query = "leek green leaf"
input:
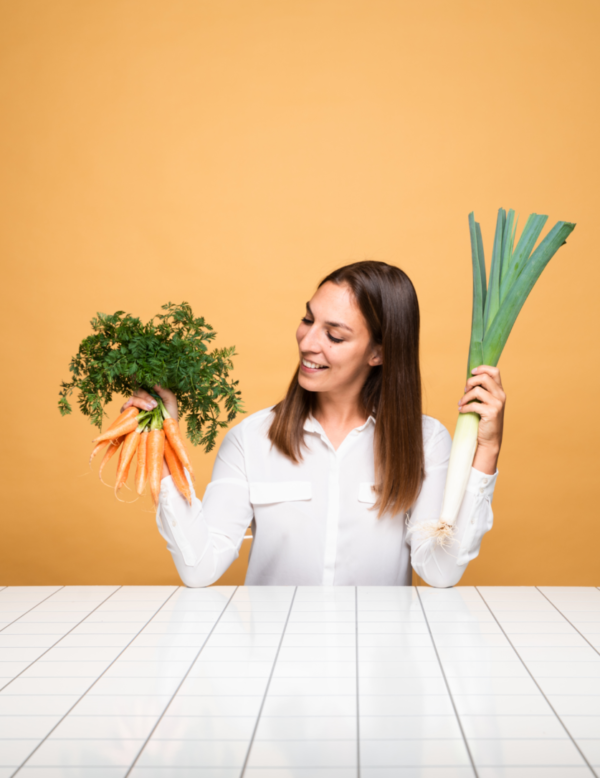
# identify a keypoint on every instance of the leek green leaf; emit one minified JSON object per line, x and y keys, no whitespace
{"x":508,"y":241}
{"x":496,"y":337}
{"x":516,"y":273}
{"x":531,"y":232}
{"x":492,"y":301}
{"x":476,"y":347}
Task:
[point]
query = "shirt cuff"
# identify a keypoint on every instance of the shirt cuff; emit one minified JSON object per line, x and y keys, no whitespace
{"x":482,"y":483}
{"x":166,"y":483}
{"x":168,"y":491}
{"x":173,"y":515}
{"x":479,"y":518}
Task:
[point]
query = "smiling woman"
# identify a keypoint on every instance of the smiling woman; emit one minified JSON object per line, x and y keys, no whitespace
{"x":330,"y":477}
{"x":361,"y":312}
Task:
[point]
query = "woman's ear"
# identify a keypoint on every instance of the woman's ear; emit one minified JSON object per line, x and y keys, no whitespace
{"x":376,"y":357}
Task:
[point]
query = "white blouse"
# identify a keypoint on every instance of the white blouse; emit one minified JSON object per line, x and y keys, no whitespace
{"x":313,"y":523}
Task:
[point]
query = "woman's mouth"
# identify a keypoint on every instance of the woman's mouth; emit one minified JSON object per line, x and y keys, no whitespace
{"x":311,"y":367}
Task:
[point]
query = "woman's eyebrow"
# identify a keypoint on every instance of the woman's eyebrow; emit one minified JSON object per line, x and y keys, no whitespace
{"x":331,"y":323}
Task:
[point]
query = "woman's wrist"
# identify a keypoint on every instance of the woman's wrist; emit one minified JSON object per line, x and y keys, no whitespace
{"x":486,"y":459}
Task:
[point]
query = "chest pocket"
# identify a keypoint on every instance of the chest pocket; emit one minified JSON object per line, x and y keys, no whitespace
{"x":366,"y":493}
{"x":267,"y":492}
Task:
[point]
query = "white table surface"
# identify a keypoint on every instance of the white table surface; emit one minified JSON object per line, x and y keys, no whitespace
{"x":338,"y":682}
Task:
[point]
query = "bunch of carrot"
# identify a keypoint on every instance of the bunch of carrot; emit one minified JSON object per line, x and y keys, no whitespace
{"x":149,"y":437}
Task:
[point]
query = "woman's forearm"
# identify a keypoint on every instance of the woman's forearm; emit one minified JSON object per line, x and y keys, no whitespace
{"x":486,"y":459}
{"x":197,"y":554}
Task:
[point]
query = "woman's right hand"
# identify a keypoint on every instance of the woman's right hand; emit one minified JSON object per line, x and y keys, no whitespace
{"x":145,"y":401}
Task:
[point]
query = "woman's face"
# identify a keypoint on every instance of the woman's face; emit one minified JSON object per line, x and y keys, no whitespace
{"x":336,"y":349}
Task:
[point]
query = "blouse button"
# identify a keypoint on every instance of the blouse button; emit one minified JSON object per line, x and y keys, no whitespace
{"x":481,"y":491}
{"x":174,"y":524}
{"x":485,"y":480}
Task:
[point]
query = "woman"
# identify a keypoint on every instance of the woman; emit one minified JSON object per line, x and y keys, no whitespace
{"x":330,"y":477}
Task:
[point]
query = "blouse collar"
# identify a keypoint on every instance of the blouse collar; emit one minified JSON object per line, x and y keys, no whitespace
{"x":312,"y":425}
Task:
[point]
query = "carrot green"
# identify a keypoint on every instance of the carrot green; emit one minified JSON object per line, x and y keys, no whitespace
{"x":123,"y":355}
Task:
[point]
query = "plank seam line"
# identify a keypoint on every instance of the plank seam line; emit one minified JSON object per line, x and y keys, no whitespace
{"x":188,"y":671}
{"x":262,"y":704}
{"x":564,"y":726}
{"x":2,"y":688}
{"x":591,"y":645}
{"x":31,"y":609}
{"x":62,"y":718}
{"x":462,"y":732}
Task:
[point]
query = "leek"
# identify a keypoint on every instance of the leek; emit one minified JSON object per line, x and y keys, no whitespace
{"x":513,"y":273}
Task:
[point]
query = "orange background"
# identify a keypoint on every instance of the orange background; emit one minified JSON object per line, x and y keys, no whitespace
{"x":230,"y":154}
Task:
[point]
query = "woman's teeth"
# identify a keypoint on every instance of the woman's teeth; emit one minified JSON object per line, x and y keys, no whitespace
{"x":306,"y":363}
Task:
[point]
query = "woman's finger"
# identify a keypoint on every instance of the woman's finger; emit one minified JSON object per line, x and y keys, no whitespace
{"x":143,"y":404}
{"x":493,"y":372}
{"x":472,"y":396}
{"x":481,"y":396}
{"x":488,"y":383}
{"x":141,"y":394}
{"x":165,"y":394}
{"x":489,"y":411}
{"x":142,"y":400}
{"x":477,"y":393}
{"x":169,"y":399}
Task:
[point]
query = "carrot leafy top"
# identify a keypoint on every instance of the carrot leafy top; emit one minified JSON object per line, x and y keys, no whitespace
{"x":171,"y":350}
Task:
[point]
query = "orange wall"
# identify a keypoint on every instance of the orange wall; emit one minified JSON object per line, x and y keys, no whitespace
{"x":232,"y":153}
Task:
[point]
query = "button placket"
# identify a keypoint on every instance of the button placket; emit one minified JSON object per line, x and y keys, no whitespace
{"x":331,"y":529}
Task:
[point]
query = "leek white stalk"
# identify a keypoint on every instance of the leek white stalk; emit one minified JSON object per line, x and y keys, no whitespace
{"x":464,"y":445}
{"x":513,"y":273}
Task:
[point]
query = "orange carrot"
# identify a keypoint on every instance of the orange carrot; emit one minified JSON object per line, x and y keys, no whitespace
{"x":141,"y":475}
{"x":124,"y":482}
{"x":126,"y":475}
{"x":177,"y":472}
{"x":154,"y":455}
{"x":111,"y":451}
{"x":98,"y":447}
{"x":173,"y":434}
{"x":127,"y":413}
{"x":124,"y":428}
{"x":129,"y":446}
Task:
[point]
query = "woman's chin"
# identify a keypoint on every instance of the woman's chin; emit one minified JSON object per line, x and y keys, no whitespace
{"x":308,"y":382}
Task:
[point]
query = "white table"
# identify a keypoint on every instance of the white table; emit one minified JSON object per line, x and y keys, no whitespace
{"x":337,"y":682}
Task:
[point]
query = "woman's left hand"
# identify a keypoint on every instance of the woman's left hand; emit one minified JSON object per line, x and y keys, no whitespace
{"x":485,"y":385}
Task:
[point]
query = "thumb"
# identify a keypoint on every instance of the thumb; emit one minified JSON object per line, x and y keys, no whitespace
{"x":164,"y":393}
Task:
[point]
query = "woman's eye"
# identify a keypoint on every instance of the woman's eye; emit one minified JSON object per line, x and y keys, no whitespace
{"x":305,"y":320}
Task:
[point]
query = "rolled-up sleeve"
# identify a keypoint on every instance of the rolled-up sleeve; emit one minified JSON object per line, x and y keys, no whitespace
{"x":205,"y":538}
{"x":475,"y":516}
{"x":438,"y":565}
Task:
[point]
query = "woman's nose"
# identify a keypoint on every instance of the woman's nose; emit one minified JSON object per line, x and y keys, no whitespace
{"x":310,"y":341}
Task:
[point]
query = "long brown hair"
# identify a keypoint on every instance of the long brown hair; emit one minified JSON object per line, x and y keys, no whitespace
{"x":392,"y":391}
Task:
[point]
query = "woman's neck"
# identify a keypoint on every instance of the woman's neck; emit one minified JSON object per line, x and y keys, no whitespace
{"x":338,"y":416}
